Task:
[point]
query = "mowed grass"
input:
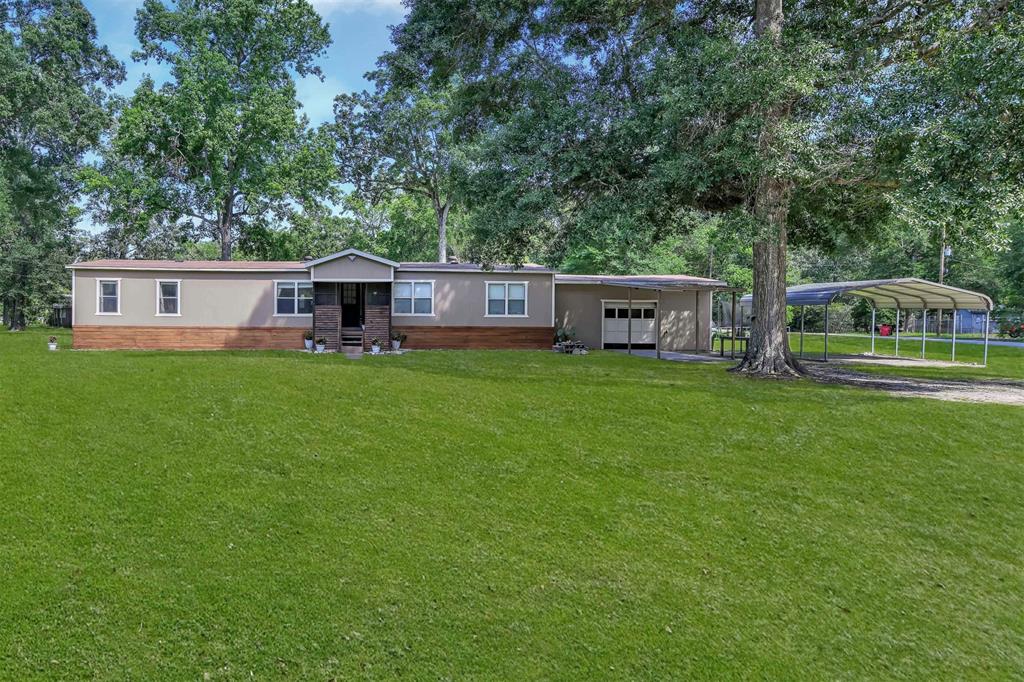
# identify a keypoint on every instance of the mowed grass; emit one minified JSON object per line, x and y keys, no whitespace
{"x":1004,"y":362}
{"x":495,"y":515}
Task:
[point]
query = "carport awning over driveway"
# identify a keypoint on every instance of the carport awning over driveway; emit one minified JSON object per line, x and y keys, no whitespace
{"x":906,"y":292}
{"x":652,"y":282}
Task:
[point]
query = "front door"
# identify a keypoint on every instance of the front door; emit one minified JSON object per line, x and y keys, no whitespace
{"x":351,"y":308}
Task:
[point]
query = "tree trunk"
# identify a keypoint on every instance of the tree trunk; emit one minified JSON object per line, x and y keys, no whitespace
{"x":768,"y":352}
{"x":441,"y":211}
{"x":14,"y":312}
{"x":224,"y":229}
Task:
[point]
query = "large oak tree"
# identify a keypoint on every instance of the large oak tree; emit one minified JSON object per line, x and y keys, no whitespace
{"x":224,"y":141}
{"x":783,"y":120}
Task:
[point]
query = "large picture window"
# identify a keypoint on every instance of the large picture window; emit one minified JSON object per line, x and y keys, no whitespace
{"x":413,"y":298}
{"x":294,"y":298}
{"x":168,"y":297}
{"x":506,"y":299}
{"x":108,"y":297}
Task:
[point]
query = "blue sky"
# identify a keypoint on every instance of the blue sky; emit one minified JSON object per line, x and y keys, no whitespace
{"x":359,"y":29}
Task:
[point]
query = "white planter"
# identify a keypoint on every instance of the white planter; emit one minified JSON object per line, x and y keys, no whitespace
{"x":52,"y":346}
{"x":309,"y":344}
{"x":374,"y":350}
{"x":395,"y":345}
{"x":320,"y":347}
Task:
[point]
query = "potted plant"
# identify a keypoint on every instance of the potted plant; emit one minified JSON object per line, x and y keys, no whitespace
{"x":321,"y":344}
{"x":374,"y":346}
{"x":397,"y":339}
{"x":307,"y":337}
{"x":52,"y":343}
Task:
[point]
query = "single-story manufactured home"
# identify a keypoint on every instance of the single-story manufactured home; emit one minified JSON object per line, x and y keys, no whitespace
{"x":352,"y":297}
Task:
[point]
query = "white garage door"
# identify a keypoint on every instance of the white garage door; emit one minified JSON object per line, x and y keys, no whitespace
{"x":616,"y":323}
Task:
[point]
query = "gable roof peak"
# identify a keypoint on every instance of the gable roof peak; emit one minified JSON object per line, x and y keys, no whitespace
{"x":352,"y":254}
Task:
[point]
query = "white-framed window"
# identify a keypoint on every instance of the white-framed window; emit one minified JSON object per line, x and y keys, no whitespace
{"x":168,"y":298}
{"x":413,"y":298}
{"x":108,"y":297}
{"x":293,"y":298}
{"x":506,"y":299}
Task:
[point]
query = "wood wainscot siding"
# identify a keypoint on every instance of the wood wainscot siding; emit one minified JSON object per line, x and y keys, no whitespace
{"x":523,"y":338}
{"x":111,"y":337}
{"x":326,"y":321}
{"x":377,"y":324}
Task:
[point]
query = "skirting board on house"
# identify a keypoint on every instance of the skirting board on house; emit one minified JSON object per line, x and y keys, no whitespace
{"x":186,"y":338}
{"x":427,"y":337}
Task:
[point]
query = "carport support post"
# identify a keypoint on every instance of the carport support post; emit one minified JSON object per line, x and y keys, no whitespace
{"x":984,"y":362}
{"x":629,"y":322}
{"x":657,"y":327}
{"x":953,"y":359}
{"x":802,"y":309}
{"x":872,"y":328}
{"x":924,"y":329}
{"x":826,"y":332}
{"x":733,"y":326}
{"x":897,"y":330}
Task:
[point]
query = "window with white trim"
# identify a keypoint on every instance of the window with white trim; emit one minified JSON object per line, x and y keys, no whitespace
{"x":108,"y":297}
{"x":506,"y":299}
{"x":168,"y":297}
{"x":413,"y":298}
{"x":293,"y":298}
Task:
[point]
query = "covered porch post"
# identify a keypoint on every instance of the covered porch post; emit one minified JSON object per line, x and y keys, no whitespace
{"x":657,"y":327}
{"x":629,"y":321}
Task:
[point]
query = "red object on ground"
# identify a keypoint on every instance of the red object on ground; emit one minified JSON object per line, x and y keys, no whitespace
{"x":885,"y":330}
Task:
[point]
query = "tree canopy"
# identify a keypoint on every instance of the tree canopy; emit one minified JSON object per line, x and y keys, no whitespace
{"x":53,"y":107}
{"x":223,"y":144}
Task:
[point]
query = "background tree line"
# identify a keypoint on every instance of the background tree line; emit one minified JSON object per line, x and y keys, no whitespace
{"x":761,"y":142}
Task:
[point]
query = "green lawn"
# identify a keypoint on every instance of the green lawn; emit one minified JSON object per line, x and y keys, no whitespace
{"x":1003,"y":361}
{"x":501,"y":515}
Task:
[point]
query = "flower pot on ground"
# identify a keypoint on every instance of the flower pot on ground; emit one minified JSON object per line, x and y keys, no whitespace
{"x":375,"y":346}
{"x":321,"y":345}
{"x":307,"y":338}
{"x":397,"y":339}
{"x":52,"y":343}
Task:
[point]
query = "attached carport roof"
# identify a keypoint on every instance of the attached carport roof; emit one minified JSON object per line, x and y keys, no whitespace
{"x":905,"y":292}
{"x":652,"y":282}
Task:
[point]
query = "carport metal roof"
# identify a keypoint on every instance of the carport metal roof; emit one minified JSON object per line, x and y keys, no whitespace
{"x":652,"y":282}
{"x":905,"y":292}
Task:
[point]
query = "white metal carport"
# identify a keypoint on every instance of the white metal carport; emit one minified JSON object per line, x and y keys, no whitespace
{"x":906,"y":293}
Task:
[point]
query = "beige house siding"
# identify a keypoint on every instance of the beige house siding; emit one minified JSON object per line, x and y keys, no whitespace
{"x":208,"y":299}
{"x":580,"y":306}
{"x":460,"y":299}
{"x":352,"y":269}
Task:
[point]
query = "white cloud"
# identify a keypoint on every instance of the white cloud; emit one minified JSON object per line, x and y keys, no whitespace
{"x":372,"y":6}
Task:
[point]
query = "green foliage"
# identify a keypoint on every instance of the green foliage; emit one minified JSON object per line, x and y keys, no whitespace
{"x":400,"y":139}
{"x":53,"y":107}
{"x":605,"y":136}
{"x":223,"y":145}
